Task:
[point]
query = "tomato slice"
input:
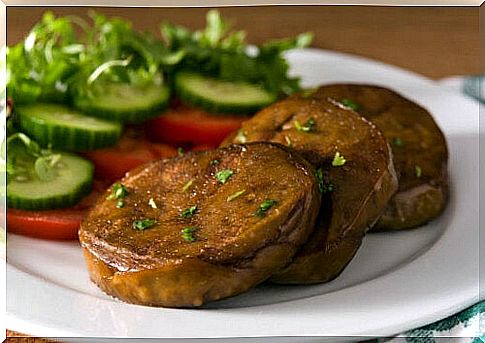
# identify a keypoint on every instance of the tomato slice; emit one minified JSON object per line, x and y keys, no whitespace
{"x":188,"y":125}
{"x":52,"y":224}
{"x":59,"y":224}
{"x":131,"y":151}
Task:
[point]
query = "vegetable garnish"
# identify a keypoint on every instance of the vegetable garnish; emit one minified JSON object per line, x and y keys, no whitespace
{"x":241,"y":136}
{"x":289,"y":143}
{"x":235,"y":195}
{"x":324,"y":187}
{"x":309,"y":125}
{"x":25,"y":156}
{"x":223,"y":175}
{"x":397,"y":142}
{"x":180,"y":151}
{"x":41,"y":66}
{"x":118,"y":192}
{"x":338,"y":160}
{"x":264,"y":207}
{"x":142,"y":224}
{"x":221,"y":53}
{"x":152,"y":203}
{"x":327,"y":187}
{"x":214,"y":162}
{"x":418,"y":171}
{"x":189,"y":212}
{"x":187,"y":185}
{"x":350,"y":104}
{"x":188,"y":233}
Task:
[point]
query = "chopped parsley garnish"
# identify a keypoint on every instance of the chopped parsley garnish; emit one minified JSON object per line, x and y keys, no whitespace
{"x":338,"y":160}
{"x":241,"y":136}
{"x":187,"y":185}
{"x":397,"y":142}
{"x":215,"y":162}
{"x":142,"y":224}
{"x":324,"y":187}
{"x":350,"y":104}
{"x":289,"y":143}
{"x":180,"y":151}
{"x":151,"y":203}
{"x":235,"y":195}
{"x":418,"y":171}
{"x":309,"y":125}
{"x":224,"y":175}
{"x":327,"y":187}
{"x":264,"y":207}
{"x":189,"y":212}
{"x":118,"y":192}
{"x":188,"y":233}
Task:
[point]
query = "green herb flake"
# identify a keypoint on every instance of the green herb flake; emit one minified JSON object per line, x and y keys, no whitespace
{"x":189,"y":212}
{"x":264,"y":207}
{"x":187,"y":185}
{"x":418,"y":171}
{"x":180,"y":151}
{"x":223,"y":175}
{"x":397,"y":142}
{"x":289,"y":143}
{"x":338,"y":160}
{"x":151,"y":203}
{"x":241,"y":136}
{"x":118,"y":192}
{"x":307,"y":127}
{"x":235,"y":195}
{"x":350,"y":104}
{"x":215,"y":162}
{"x":188,"y":233}
{"x":142,"y":224}
{"x":324,"y":187}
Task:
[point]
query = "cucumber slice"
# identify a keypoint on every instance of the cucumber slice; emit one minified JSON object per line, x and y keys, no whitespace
{"x":65,"y":128}
{"x":219,"y":96}
{"x":126,"y":103}
{"x":73,"y":180}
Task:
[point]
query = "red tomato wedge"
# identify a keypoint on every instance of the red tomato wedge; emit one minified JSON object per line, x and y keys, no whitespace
{"x":187,"y":125}
{"x":59,"y":224}
{"x":53,"y":224}
{"x":131,"y":151}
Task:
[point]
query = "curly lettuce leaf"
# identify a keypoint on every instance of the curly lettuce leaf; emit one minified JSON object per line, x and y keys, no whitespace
{"x":222,"y":53}
{"x":39,"y":68}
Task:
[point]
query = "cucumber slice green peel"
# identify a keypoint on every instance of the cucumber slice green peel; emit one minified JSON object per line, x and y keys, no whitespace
{"x":39,"y":179}
{"x":64,"y":128}
{"x":221,"y":96}
{"x":124,"y":102}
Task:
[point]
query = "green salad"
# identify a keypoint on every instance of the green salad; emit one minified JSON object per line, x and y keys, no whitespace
{"x":76,"y":83}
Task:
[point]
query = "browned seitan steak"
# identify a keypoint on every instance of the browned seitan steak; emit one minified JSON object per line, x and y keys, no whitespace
{"x":356,"y":192}
{"x":419,"y":150}
{"x":201,"y":227}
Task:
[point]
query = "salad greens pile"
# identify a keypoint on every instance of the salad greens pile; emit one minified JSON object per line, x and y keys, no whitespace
{"x":225,"y":54}
{"x":67,"y":56}
{"x":76,"y":82}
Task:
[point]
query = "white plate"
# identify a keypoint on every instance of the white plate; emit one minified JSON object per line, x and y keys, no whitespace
{"x":397,"y":281}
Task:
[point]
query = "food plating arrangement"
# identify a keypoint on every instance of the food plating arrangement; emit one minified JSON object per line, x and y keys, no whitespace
{"x":194,"y":167}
